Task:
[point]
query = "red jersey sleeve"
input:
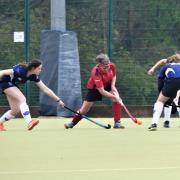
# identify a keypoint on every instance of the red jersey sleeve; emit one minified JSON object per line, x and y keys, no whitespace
{"x":113,"y":68}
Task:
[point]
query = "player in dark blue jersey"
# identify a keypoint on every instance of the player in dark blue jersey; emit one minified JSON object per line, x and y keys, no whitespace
{"x":169,"y":90}
{"x":168,"y":109}
{"x":9,"y":80}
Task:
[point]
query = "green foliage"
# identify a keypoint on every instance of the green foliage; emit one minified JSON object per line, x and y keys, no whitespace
{"x":143,"y":32}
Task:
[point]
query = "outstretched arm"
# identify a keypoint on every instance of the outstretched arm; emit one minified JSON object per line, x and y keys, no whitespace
{"x":50,"y":93}
{"x":156,"y":66}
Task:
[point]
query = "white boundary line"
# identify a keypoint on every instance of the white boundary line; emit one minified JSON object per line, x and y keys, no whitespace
{"x":85,"y":170}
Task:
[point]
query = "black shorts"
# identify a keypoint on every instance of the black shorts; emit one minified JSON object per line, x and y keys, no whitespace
{"x":160,"y":84}
{"x":5,"y":85}
{"x":170,"y":88}
{"x":95,"y":95}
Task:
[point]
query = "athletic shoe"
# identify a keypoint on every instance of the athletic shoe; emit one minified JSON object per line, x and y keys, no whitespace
{"x":32,"y":124}
{"x":118,"y":125}
{"x":69,"y":125}
{"x":2,"y":128}
{"x":179,"y":113}
{"x":166,"y":124}
{"x":153,"y":127}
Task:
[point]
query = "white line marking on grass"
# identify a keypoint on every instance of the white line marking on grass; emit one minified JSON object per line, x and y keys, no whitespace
{"x":84,"y":170}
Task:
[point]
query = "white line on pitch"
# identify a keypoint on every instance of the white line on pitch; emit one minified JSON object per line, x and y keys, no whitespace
{"x":84,"y":170}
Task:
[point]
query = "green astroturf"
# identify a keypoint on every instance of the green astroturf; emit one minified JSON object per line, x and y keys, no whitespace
{"x":89,"y":152}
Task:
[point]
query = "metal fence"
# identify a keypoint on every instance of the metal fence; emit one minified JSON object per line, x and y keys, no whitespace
{"x":30,"y":17}
{"x":135,"y":34}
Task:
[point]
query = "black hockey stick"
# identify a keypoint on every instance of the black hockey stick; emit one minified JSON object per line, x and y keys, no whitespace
{"x":93,"y":121}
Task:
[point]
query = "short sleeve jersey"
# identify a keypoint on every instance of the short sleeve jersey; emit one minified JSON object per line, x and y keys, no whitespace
{"x":19,"y":76}
{"x":98,"y":79}
{"x":171,"y":70}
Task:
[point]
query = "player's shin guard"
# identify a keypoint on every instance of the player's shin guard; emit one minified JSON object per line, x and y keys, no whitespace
{"x":178,"y":108}
{"x":158,"y":107}
{"x":167,"y":113}
{"x":6,"y":116}
{"x":117,"y":109}
{"x":76,"y":119}
{"x":25,"y":112}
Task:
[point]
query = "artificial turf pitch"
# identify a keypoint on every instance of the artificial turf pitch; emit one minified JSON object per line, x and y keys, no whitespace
{"x":89,"y":152}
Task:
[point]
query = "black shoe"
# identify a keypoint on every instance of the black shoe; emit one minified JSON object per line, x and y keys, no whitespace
{"x":166,"y":124}
{"x":153,"y":127}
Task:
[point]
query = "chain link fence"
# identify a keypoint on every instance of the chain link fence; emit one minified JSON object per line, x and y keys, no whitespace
{"x":135,"y":33}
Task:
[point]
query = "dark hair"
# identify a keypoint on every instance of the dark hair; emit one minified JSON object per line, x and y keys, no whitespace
{"x":33,"y":64}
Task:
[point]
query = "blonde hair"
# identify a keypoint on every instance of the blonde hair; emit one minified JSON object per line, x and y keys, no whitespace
{"x":174,"y":58}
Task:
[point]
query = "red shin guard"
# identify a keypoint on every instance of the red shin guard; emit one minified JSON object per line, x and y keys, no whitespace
{"x":117,"y":109}
{"x":76,"y":119}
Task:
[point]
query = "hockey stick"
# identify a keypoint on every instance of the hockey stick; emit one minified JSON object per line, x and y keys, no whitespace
{"x":93,"y":121}
{"x":135,"y":120}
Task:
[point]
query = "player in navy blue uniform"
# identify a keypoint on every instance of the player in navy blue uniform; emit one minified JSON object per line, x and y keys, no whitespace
{"x":9,"y":80}
{"x":161,"y":77}
{"x":169,"y":90}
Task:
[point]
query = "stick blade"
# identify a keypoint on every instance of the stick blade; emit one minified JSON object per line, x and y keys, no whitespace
{"x":108,"y":127}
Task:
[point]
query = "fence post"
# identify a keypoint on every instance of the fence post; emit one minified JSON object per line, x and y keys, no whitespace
{"x":110,"y":27}
{"x":27,"y":41}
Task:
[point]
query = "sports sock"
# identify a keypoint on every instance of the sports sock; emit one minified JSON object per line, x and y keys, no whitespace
{"x":167,"y":113}
{"x":117,"y":109}
{"x":157,"y":110}
{"x":178,"y":108}
{"x":76,"y":119}
{"x":25,"y":112}
{"x":6,"y":116}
